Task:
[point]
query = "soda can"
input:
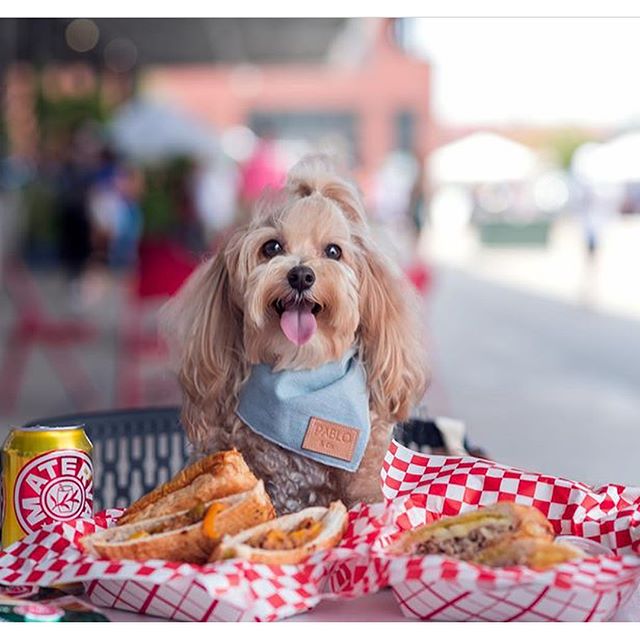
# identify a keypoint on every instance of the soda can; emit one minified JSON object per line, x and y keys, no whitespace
{"x":46,"y":476}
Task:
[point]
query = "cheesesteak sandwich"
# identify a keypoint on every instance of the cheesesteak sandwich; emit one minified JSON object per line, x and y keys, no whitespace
{"x":289,"y":539}
{"x":466,"y":536}
{"x":217,"y":475}
{"x":185,"y":535}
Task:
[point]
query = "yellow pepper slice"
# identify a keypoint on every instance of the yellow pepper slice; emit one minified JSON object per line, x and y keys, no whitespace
{"x":208,"y":523}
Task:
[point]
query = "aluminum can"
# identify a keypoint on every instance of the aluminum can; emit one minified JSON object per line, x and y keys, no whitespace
{"x":46,"y":476}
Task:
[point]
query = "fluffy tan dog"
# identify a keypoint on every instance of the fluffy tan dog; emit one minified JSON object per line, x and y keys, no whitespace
{"x":307,"y":255}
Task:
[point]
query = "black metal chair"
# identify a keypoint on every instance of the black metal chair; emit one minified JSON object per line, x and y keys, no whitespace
{"x":424,"y":435}
{"x":133,"y":450}
{"x":420,"y":435}
{"x":136,"y":450}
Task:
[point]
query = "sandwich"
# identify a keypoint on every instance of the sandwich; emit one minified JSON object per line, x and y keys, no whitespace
{"x":467,"y":536}
{"x":187,"y":535}
{"x":218,"y":475}
{"x":289,"y":539}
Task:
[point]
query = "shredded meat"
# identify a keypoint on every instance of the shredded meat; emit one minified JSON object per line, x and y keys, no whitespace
{"x":279,"y":540}
{"x":180,"y":521}
{"x":464,"y":548}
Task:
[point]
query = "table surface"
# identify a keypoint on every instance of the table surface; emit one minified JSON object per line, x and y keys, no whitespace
{"x":379,"y":607}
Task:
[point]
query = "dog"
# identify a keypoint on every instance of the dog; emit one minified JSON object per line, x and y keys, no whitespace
{"x":297,"y":288}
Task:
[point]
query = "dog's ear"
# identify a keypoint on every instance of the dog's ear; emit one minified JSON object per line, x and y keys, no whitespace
{"x":321,"y":173}
{"x":203,"y":328}
{"x":391,"y":343}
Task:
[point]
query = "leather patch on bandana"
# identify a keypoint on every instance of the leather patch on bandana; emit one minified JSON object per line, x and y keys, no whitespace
{"x":328,"y":438}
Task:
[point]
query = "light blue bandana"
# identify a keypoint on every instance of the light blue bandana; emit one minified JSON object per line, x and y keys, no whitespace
{"x":322,"y":414}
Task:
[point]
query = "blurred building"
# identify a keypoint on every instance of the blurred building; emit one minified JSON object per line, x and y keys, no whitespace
{"x":346,"y":81}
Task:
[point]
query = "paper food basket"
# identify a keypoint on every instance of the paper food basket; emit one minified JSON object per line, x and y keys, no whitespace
{"x":421,"y":488}
{"x":418,"y":488}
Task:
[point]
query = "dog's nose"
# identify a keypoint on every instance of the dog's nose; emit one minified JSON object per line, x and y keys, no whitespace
{"x":301,"y":277}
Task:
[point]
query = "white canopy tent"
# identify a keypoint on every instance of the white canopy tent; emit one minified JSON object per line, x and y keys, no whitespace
{"x":148,"y":131}
{"x":616,"y":161}
{"x":483,"y":157}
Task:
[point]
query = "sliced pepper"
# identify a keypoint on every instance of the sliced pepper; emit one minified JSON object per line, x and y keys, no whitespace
{"x":208,"y":523}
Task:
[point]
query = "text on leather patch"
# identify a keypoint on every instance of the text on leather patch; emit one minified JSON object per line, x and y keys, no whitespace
{"x":328,"y":438}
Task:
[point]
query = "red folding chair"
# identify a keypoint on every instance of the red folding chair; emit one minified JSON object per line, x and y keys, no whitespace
{"x":163,"y":267}
{"x":34,"y":327}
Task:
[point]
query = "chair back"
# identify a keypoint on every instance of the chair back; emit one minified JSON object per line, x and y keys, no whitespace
{"x":133,"y":450}
{"x":422,"y":435}
{"x":136,"y":450}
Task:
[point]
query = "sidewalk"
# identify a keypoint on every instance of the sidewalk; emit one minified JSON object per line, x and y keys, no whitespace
{"x":42,"y":393}
{"x":538,"y":352}
{"x":559,"y":271}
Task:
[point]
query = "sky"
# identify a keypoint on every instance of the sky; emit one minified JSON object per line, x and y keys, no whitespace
{"x":574,"y":71}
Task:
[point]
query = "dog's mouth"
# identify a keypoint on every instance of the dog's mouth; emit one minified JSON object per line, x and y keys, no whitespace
{"x":297,"y":318}
{"x":280,"y":306}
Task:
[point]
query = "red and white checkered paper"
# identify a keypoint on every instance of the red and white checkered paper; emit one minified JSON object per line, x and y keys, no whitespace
{"x":422,"y":488}
{"x":225,"y":591}
{"x":418,"y":488}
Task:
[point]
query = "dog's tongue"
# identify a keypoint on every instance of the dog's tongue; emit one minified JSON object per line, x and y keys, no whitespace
{"x":298,"y":323}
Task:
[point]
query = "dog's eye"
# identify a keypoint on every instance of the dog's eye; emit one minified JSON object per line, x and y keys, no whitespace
{"x":272,"y":248}
{"x":333,"y":251}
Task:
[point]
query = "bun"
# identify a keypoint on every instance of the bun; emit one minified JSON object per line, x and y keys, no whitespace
{"x":217,"y":475}
{"x":466,"y":535}
{"x":179,"y":537}
{"x":330,"y":524}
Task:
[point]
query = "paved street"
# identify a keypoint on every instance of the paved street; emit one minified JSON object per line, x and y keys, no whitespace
{"x":541,"y":383}
{"x":560,"y":269}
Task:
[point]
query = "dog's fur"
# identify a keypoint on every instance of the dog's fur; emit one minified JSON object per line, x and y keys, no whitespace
{"x":224,"y":321}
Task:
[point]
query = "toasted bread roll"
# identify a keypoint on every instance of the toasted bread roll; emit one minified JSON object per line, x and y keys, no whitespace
{"x":185,"y":536}
{"x":534,"y":553}
{"x":464,"y":536}
{"x":289,"y":539}
{"x":217,"y":475}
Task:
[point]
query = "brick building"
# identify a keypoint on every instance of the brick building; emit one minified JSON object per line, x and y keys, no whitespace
{"x":361,"y":86}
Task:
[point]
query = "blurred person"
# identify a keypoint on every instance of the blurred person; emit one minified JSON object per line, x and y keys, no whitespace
{"x":600,"y":203}
{"x":419,"y":272}
{"x":117,"y":216}
{"x":38,"y":239}
{"x":181,"y":184}
{"x":418,"y":195}
{"x":215,"y":189}
{"x":397,"y":204}
{"x":393,"y":187}
{"x":129,"y":186}
{"x":102,"y":202}
{"x":72,"y":183}
{"x":264,"y":169}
